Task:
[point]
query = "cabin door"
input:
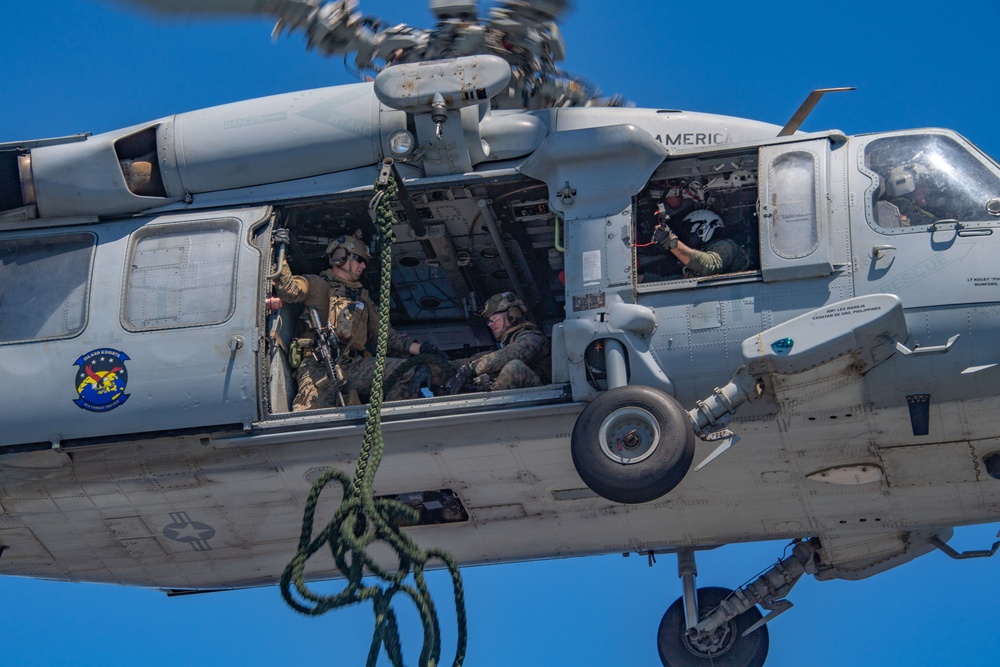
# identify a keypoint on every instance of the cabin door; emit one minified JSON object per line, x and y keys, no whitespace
{"x":138,"y":326}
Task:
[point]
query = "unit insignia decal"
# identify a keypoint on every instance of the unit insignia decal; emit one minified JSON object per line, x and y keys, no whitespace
{"x":101,"y":380}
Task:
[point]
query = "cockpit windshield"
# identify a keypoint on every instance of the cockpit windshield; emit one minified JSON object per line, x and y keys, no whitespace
{"x":920,"y":179}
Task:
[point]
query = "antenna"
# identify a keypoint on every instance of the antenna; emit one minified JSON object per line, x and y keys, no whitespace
{"x":796,"y":120}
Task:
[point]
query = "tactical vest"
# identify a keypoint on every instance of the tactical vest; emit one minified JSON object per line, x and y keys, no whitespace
{"x":348,"y":312}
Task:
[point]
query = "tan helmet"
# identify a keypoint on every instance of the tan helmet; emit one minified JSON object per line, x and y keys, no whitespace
{"x":505,"y":302}
{"x":350,"y":244}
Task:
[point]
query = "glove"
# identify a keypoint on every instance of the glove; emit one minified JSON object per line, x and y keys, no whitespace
{"x":281,"y":236}
{"x":429,"y":348}
{"x":482,"y":382}
{"x":662,"y":235}
{"x":455,"y":384}
{"x":421,"y":379}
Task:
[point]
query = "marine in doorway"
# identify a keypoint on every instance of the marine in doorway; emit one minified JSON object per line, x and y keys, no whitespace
{"x":705,"y":250}
{"x":343,"y":305}
{"x":523,"y":359}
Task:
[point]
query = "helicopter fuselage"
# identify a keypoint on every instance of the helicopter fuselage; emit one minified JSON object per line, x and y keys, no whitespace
{"x":148,"y":438}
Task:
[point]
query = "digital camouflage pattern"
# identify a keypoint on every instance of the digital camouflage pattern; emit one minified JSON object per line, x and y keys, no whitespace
{"x":523,"y":359}
{"x":501,"y":303}
{"x":316,"y":390}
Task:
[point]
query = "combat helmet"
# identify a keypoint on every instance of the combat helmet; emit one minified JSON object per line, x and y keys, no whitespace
{"x":505,"y":302}
{"x":350,"y":244}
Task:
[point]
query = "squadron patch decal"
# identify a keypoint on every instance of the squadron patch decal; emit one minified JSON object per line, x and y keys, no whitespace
{"x":101,"y":380}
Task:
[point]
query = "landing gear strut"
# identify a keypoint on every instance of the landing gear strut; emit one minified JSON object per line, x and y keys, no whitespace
{"x":719,"y":627}
{"x":723,"y":647}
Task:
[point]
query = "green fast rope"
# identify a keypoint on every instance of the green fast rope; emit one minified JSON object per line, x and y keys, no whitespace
{"x":362,"y":519}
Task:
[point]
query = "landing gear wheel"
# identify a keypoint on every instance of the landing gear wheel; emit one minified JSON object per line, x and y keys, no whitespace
{"x":726,"y":647}
{"x":632,"y":444}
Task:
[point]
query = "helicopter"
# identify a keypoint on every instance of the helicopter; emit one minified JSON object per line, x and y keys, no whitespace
{"x":723,"y":458}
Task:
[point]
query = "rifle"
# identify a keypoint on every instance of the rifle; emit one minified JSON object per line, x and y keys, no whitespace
{"x":460,"y":379}
{"x":324,"y":341}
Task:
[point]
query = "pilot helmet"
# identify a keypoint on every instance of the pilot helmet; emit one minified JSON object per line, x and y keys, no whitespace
{"x":350,"y":244}
{"x":703,"y":224}
{"x":505,"y":302}
{"x":904,"y":179}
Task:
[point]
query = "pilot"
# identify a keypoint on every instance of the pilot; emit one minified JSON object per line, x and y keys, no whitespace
{"x":523,"y":358}
{"x":912,"y":190}
{"x":710,"y":251}
{"x":345,"y":305}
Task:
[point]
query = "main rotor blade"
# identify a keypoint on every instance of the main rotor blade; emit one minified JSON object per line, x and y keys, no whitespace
{"x":202,"y":6}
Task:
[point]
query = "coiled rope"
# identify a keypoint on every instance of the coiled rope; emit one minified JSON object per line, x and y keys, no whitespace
{"x":362,"y":519}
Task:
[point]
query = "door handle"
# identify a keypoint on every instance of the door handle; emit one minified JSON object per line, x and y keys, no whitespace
{"x":879,"y":251}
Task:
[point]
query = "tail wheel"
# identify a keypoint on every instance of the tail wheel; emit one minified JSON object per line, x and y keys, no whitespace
{"x":726,"y":647}
{"x":632,"y":444}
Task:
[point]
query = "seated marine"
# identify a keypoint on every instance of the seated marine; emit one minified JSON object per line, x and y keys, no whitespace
{"x":522,"y":359}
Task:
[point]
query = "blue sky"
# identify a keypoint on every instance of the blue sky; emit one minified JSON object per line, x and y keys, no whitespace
{"x":71,"y":66}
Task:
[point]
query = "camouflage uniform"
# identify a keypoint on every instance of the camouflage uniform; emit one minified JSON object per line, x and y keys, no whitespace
{"x":347,"y":307}
{"x":523,"y":359}
{"x":722,"y":256}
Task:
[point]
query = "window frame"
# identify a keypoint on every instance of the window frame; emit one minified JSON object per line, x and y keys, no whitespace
{"x":87,"y":282}
{"x":818,"y":262}
{"x":179,"y":229}
{"x":779,"y":225}
{"x":872,"y":188}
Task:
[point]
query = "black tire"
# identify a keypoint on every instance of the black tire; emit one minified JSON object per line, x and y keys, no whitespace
{"x":734,"y":650}
{"x":658,"y":462}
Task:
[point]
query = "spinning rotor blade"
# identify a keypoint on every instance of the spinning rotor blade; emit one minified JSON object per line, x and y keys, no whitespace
{"x":531,"y":26}
{"x":204,"y":6}
{"x":522,"y":32}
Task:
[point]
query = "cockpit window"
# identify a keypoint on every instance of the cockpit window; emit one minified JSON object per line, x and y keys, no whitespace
{"x":923,"y":179}
{"x":44,"y":286}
